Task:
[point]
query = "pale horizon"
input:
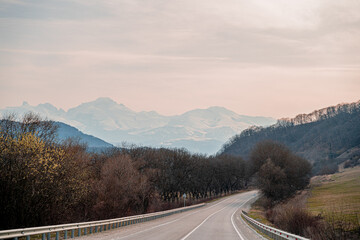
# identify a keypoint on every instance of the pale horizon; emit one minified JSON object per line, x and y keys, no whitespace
{"x":257,"y":58}
{"x":179,"y":113}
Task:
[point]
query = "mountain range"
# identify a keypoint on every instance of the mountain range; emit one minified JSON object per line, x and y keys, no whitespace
{"x":65,"y":131}
{"x":325,"y":137}
{"x":199,"y":130}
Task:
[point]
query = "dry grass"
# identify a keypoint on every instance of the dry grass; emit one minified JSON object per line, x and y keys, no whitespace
{"x":338,"y":192}
{"x":258,"y":212}
{"x":337,"y":198}
{"x":331,"y":208}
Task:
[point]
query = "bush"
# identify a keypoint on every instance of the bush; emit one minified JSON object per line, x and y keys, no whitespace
{"x":294,"y":219}
{"x":333,"y":225}
{"x":337,"y":226}
{"x":279,"y":172}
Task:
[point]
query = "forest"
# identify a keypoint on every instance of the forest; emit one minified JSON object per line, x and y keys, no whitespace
{"x":44,"y":181}
{"x":323,"y":142}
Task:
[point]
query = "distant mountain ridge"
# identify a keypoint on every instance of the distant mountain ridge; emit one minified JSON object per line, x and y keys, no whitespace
{"x":321,"y":114}
{"x":65,"y":131}
{"x":199,"y":130}
{"x":324,"y":137}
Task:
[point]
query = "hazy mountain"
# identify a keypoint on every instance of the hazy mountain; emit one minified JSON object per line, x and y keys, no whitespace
{"x":66,"y":131}
{"x":199,"y":130}
{"x":324,"y":137}
{"x":46,"y":110}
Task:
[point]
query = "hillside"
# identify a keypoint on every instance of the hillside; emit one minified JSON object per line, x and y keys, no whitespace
{"x":66,"y":131}
{"x":339,"y":193}
{"x":199,"y":130}
{"x":324,"y":137}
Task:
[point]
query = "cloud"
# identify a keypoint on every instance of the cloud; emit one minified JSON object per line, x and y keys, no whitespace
{"x":261,"y":32}
{"x":165,"y":50}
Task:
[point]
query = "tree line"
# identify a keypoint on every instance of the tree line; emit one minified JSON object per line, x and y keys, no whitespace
{"x":322,"y":142}
{"x":44,"y":181}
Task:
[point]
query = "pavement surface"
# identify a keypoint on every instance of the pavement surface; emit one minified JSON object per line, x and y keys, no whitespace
{"x":217,"y":220}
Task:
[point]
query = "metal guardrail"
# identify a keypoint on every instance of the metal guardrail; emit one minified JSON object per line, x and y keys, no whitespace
{"x":273,"y":233}
{"x":87,"y":227}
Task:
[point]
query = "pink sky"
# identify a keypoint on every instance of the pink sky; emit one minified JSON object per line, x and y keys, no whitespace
{"x":252,"y":57}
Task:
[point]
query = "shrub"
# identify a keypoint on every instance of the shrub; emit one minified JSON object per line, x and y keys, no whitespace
{"x":295,"y":219}
{"x":279,"y":172}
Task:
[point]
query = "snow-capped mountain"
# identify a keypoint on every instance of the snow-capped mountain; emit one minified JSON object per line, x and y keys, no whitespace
{"x":199,"y":130}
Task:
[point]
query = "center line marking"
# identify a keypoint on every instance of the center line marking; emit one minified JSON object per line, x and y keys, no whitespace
{"x":171,"y":221}
{"x":187,"y":235}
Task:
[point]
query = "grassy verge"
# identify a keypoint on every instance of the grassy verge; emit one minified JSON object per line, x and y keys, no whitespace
{"x":257,"y":212}
{"x":337,"y":196}
{"x":256,"y":230}
{"x":328,"y":209}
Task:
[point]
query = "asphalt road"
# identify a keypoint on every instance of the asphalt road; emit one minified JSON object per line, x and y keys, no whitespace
{"x":218,"y":220}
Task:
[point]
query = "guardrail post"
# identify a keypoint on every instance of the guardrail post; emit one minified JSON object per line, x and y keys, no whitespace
{"x":27,"y":237}
{"x":48,"y":236}
{"x":85,"y":231}
{"x":90,"y":230}
{"x":65,"y":234}
{"x":79,"y":232}
{"x":57,"y":236}
{"x":72,"y":233}
{"x":43,"y":236}
{"x":96,"y":229}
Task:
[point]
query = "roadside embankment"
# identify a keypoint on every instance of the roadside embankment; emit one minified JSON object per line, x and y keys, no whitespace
{"x":328,"y":209}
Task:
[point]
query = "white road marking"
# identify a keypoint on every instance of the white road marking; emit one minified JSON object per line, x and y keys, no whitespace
{"x":171,"y":221}
{"x":232,"y":219}
{"x":250,"y":229}
{"x":187,"y":235}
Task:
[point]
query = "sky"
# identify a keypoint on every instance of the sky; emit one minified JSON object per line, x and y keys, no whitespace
{"x":275,"y":58}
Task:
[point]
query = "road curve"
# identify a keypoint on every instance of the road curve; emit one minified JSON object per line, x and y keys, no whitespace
{"x":218,"y":220}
